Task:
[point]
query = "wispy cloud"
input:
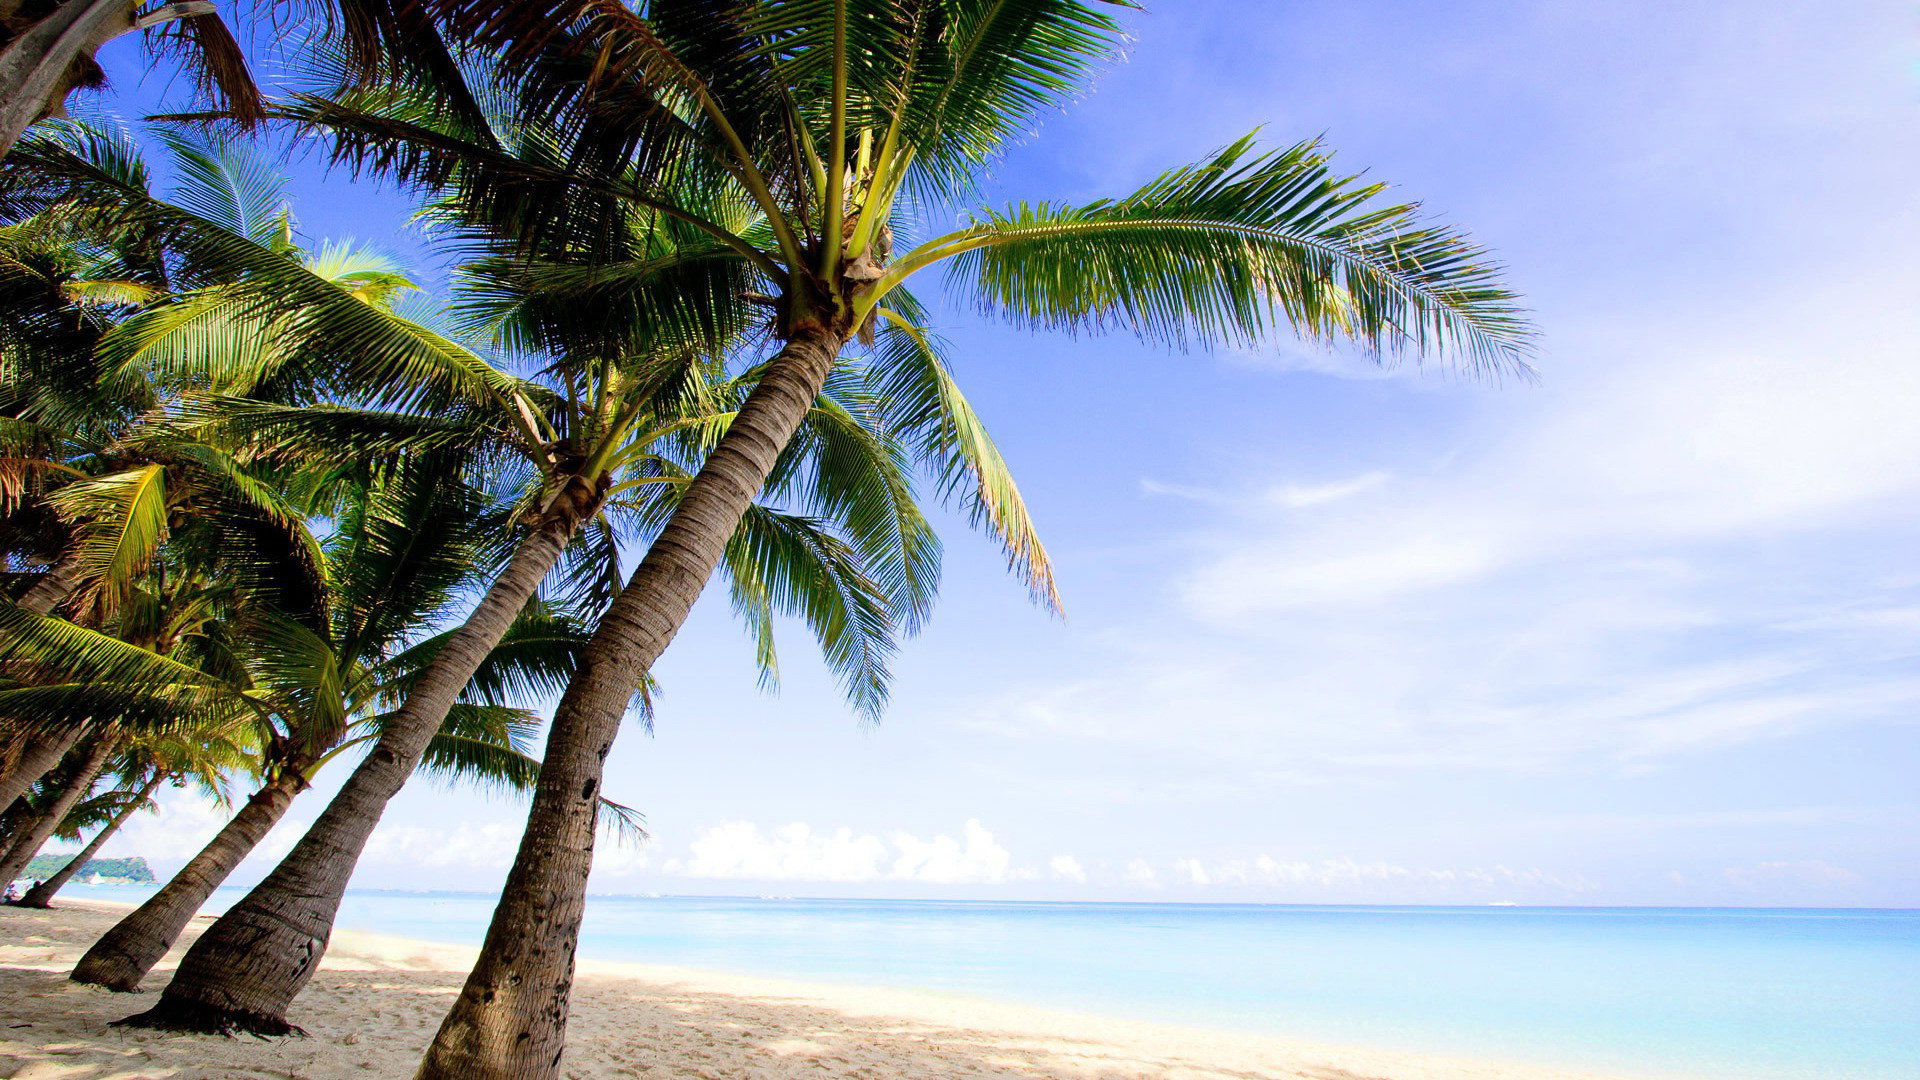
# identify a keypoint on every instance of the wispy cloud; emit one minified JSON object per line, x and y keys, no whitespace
{"x":1295,"y":496}
{"x":795,"y":852}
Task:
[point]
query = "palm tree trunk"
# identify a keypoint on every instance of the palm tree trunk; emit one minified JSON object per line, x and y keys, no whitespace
{"x":34,"y":755}
{"x":54,"y":586}
{"x":41,"y":895}
{"x":124,"y":954}
{"x":34,"y":66}
{"x":41,"y":753}
{"x":509,"y":1022}
{"x":251,"y":963}
{"x":41,"y":831}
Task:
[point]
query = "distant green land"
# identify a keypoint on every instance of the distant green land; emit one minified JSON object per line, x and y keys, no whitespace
{"x":134,"y":871}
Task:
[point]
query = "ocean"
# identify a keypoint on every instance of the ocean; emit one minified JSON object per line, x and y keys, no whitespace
{"x":1711,"y":993}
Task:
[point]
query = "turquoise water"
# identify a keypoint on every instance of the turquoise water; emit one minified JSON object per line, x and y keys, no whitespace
{"x":1755,"y":995}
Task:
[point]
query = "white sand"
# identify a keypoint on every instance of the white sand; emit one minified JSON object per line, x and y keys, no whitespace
{"x":377,"y":1001}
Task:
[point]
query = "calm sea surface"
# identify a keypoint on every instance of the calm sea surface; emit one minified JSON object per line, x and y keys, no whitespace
{"x":1755,"y":995}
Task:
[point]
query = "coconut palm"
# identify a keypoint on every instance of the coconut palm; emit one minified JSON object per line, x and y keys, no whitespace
{"x":622,"y":412}
{"x":823,"y":120}
{"x":58,"y":297}
{"x":47,"y":51}
{"x":267,"y":328}
{"x":65,"y":788}
{"x":108,"y":812}
{"x":204,"y":759}
{"x":314,"y":684}
{"x":97,"y":480}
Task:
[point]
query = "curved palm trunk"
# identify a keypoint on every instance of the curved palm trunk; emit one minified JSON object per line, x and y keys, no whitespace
{"x":42,"y":830}
{"x":54,"y":586}
{"x":124,"y":954}
{"x":37,"y":758}
{"x":246,"y":969}
{"x":41,"y":895}
{"x":30,"y":760}
{"x":509,"y":1021}
{"x":34,"y":66}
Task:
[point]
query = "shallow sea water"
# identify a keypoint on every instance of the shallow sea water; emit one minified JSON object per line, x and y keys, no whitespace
{"x":1749,"y":994}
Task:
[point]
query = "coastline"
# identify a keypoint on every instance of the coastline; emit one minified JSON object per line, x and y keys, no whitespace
{"x":377,"y":999}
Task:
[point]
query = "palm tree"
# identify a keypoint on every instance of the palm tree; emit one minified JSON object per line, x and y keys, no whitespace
{"x":47,"y":51}
{"x":66,"y":787}
{"x":55,"y":419}
{"x":118,"y":806}
{"x":823,"y":119}
{"x":313,"y":684}
{"x":624,"y":406}
{"x":204,"y":758}
{"x":268,"y":328}
{"x":95,"y":484}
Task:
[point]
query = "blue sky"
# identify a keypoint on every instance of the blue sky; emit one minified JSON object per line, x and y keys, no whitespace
{"x":1641,"y":632}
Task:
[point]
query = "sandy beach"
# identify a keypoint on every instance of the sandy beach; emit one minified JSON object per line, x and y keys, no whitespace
{"x":376,"y":1001}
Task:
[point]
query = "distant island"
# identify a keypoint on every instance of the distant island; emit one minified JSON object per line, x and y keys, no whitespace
{"x":134,"y":871}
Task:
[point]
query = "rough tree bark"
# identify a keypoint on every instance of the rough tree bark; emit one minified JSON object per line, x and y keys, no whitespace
{"x":124,"y":954}
{"x":53,"y":587}
{"x":42,"y":829}
{"x":35,"y":67}
{"x":509,"y":1022}
{"x":246,"y":969}
{"x":41,"y":753}
{"x":41,"y":895}
{"x":28,"y":761}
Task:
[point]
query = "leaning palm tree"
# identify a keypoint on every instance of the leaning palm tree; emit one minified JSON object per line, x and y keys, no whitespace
{"x":625,"y":404}
{"x":47,"y":51}
{"x":278,"y":323}
{"x":314,"y":684}
{"x":59,"y":294}
{"x":105,"y":813}
{"x":86,"y":432}
{"x":824,"y":116}
{"x":204,"y":758}
{"x":69,"y":276}
{"x":65,"y":788}
{"x":825,"y":120}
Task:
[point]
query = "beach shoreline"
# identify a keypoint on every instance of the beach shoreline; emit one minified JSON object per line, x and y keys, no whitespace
{"x":377,"y":1000}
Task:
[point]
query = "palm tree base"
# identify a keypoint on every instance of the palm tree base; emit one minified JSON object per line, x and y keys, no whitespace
{"x":196,"y":1018}
{"x":108,"y":970}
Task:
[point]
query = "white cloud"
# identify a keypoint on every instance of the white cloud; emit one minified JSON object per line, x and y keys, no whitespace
{"x":184,"y":821}
{"x":945,"y":860}
{"x":740,"y":850}
{"x":1141,"y":872}
{"x":174,"y":832}
{"x":1068,"y":868}
{"x":487,"y":846}
{"x":1265,"y":582}
{"x":1684,"y":541}
{"x":1291,"y":496}
{"x":1193,"y":870}
{"x":1295,"y":496}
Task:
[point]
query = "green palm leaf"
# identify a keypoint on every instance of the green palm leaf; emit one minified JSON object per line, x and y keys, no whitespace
{"x":1234,"y":249}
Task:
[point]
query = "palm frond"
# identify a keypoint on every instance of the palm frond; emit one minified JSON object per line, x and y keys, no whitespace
{"x":1235,"y":249}
{"x":229,"y":183}
{"x":924,"y":404}
{"x":790,"y":565}
{"x":122,"y":521}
